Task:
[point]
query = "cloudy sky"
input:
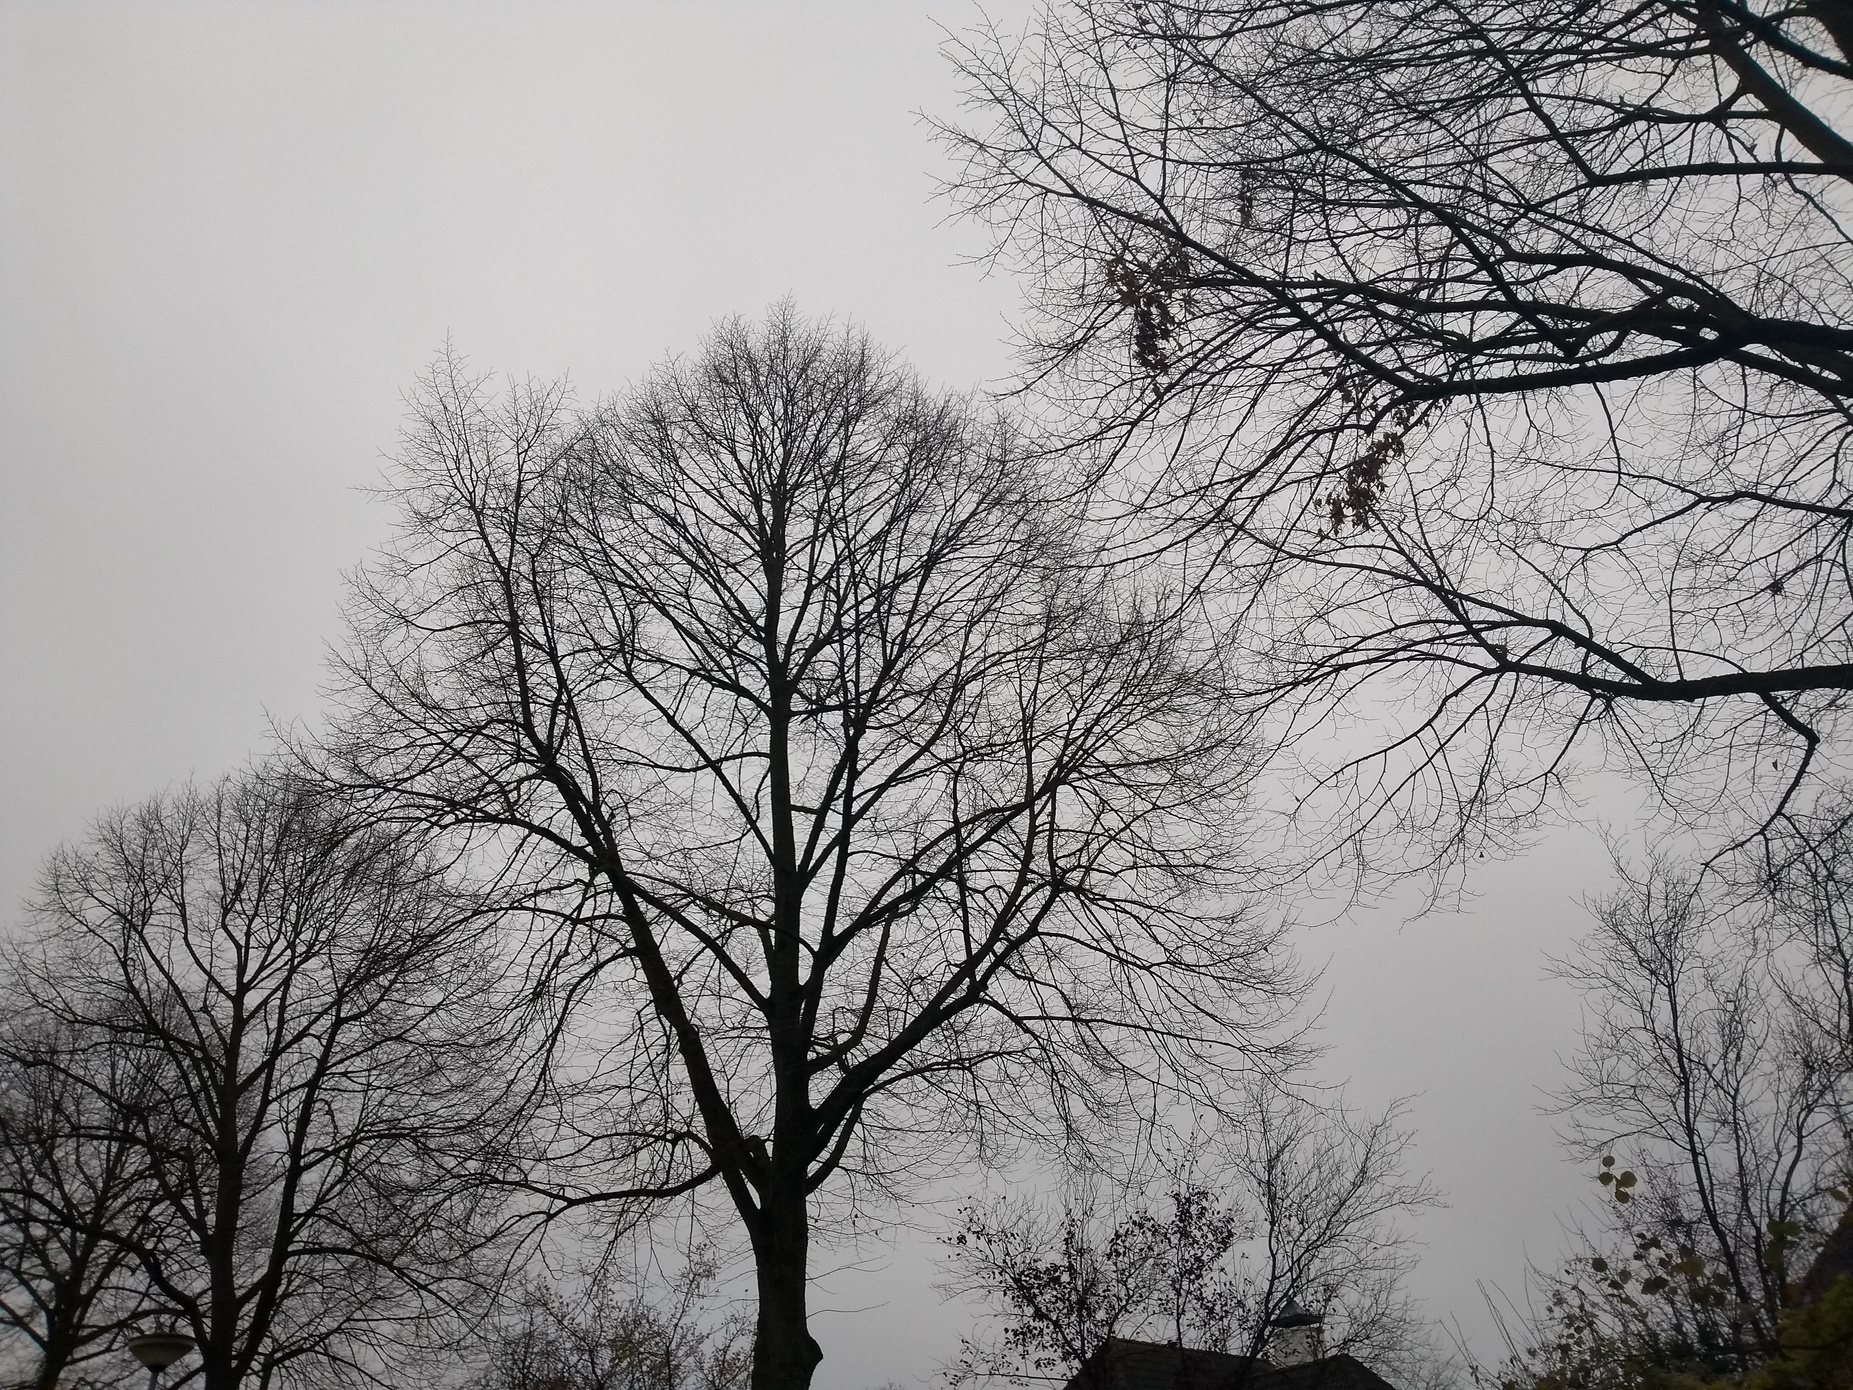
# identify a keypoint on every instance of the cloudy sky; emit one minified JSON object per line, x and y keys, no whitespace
{"x":230,"y":236}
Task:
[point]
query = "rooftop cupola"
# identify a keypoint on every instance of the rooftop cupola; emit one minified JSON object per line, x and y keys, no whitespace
{"x":1296,"y":1335}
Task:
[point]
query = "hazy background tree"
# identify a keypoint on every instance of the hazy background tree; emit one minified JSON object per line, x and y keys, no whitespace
{"x":68,"y":1178}
{"x":1301,"y":1204}
{"x":1728,"y":1100}
{"x":1497,"y":353}
{"x":612,"y":1330}
{"x":306,"y":1015}
{"x":1712,"y":1096}
{"x":876,"y":831}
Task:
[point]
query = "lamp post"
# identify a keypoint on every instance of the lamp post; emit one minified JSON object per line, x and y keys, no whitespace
{"x":159,"y":1350}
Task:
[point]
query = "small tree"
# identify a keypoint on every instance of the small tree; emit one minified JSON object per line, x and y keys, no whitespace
{"x":300,"y":1006}
{"x":601,"y":1337}
{"x":875,"y":829}
{"x":1301,"y":1208}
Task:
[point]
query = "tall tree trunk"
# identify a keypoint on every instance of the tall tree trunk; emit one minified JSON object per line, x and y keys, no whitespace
{"x":784,"y":1352}
{"x":60,"y":1345}
{"x":217,"y":1368}
{"x":51,"y":1366}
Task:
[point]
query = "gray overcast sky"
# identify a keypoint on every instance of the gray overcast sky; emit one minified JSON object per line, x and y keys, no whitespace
{"x":230,"y":236}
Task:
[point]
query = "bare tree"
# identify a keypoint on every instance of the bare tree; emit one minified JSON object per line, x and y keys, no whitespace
{"x":311,"y":1046}
{"x":1715,"y":1080}
{"x":1497,"y":349}
{"x":875,"y":830}
{"x":68,"y":1178}
{"x":1300,"y":1208}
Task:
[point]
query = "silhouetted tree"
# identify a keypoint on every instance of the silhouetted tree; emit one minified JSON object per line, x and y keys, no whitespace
{"x":875,"y":829}
{"x":1498,"y":353}
{"x":299,"y":1001}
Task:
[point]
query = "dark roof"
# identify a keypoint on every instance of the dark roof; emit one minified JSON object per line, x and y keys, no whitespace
{"x":1339,"y":1372}
{"x":1125,"y":1364}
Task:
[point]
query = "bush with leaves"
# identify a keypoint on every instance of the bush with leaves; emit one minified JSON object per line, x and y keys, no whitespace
{"x":1816,"y":1349}
{"x":1584,"y":1350}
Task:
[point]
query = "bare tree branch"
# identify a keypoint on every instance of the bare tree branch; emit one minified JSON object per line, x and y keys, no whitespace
{"x":1488,"y":342}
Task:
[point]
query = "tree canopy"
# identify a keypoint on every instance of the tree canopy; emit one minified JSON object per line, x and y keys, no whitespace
{"x":1497,"y":354}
